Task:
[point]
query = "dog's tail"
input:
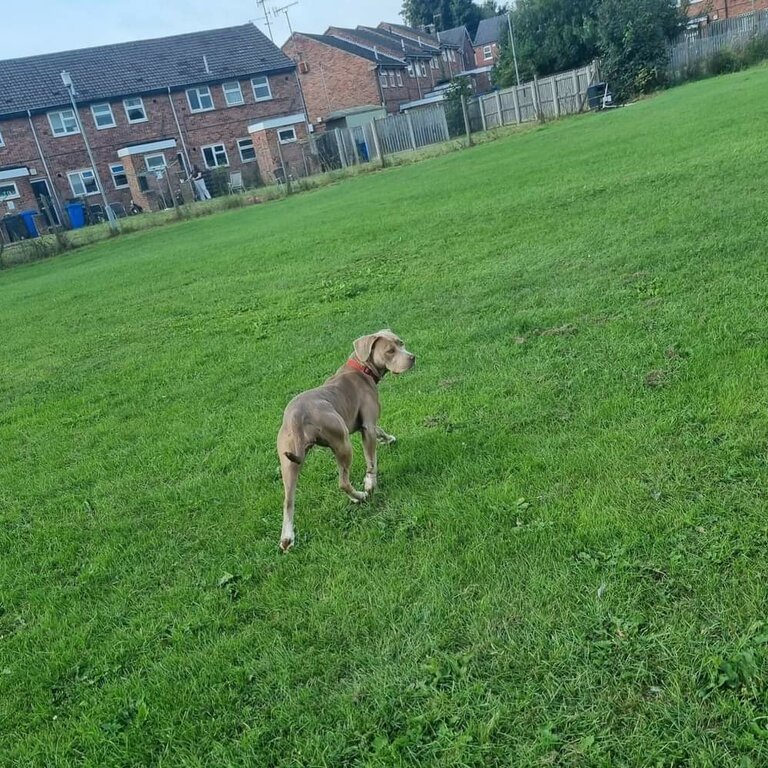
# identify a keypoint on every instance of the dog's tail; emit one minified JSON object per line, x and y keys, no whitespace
{"x":298,"y":444}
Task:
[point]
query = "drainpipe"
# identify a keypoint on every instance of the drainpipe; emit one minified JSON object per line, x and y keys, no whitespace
{"x":51,"y":182}
{"x":181,"y":135}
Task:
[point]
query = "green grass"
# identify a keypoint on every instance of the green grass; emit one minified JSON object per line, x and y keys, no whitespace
{"x":566,"y":561}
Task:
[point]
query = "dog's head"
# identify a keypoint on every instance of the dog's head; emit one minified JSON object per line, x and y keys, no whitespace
{"x":384,"y":351}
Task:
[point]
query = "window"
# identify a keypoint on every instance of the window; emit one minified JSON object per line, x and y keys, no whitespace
{"x":9,"y":190}
{"x":2,"y":142}
{"x":286,"y":135}
{"x":119,"y":179}
{"x":411,"y":73}
{"x":102,"y":116}
{"x":433,"y":64}
{"x":247,"y":152}
{"x":487,"y":52}
{"x":200,"y":99}
{"x":233,"y":94}
{"x":391,"y":78}
{"x":383,"y":79}
{"x":399,"y":78}
{"x":83,"y":183}
{"x":215,"y":155}
{"x":451,"y":54}
{"x":63,"y":123}
{"x":261,"y":90}
{"x":134,"y":110}
{"x":422,"y":69}
{"x":155,"y":163}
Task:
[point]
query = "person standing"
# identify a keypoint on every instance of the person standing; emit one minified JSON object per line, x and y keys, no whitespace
{"x":199,"y":182}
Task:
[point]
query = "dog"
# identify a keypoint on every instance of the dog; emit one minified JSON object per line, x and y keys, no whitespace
{"x":348,"y":402}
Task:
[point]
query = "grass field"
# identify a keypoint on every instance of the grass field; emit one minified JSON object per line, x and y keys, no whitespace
{"x":566,"y":563}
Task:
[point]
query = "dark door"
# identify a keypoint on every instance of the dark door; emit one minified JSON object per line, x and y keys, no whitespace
{"x":42,"y":194}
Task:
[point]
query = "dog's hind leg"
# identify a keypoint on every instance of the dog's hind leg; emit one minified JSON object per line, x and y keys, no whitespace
{"x":342,"y":449}
{"x":384,"y":438}
{"x":290,"y":472}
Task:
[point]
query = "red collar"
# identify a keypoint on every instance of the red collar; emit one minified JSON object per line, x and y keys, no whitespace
{"x":358,"y":366}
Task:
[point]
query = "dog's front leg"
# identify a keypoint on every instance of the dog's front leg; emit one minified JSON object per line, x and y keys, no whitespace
{"x":369,"y":435}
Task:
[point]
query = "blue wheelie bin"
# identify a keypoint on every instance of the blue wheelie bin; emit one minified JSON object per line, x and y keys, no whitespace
{"x":30,"y":223}
{"x":76,"y":213}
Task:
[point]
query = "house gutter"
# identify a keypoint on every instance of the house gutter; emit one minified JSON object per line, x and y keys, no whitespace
{"x":181,"y":135}
{"x":52,"y":183}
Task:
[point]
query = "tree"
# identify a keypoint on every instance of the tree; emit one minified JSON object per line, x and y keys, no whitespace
{"x":446,"y":14}
{"x":633,"y":41}
{"x":550,"y":36}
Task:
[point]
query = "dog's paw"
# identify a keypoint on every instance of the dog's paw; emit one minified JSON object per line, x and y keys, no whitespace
{"x":386,"y":439}
{"x":359,"y":497}
{"x":286,"y":543}
{"x":370,"y":484}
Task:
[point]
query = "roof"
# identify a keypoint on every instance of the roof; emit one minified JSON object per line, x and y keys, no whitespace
{"x":453,"y":37}
{"x":409,"y":32}
{"x":143,"y":66}
{"x":402,"y":45}
{"x":355,"y":49}
{"x":491,"y":30}
{"x":350,"y":111}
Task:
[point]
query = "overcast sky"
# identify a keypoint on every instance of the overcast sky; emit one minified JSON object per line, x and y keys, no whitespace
{"x":44,"y":26}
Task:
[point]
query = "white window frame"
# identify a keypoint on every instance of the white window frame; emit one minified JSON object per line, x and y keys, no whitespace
{"x":2,"y":140}
{"x":70,"y":115}
{"x":252,"y":148}
{"x":487,"y":52}
{"x":411,"y":72}
{"x":115,"y":173}
{"x":80,"y":176}
{"x":433,"y":63}
{"x":94,"y":107}
{"x":383,"y":79}
{"x":422,"y":69}
{"x":451,"y":54}
{"x":391,"y":78}
{"x":140,"y":104}
{"x":288,"y":129}
{"x":150,"y":166}
{"x":200,"y":92}
{"x":15,"y":195}
{"x":213,"y":148}
{"x":399,"y":76}
{"x":254,"y":86}
{"x":226,"y":89}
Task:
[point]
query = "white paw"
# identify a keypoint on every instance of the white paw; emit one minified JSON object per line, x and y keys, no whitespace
{"x":370,"y":483}
{"x":286,"y":542}
{"x":358,"y":497}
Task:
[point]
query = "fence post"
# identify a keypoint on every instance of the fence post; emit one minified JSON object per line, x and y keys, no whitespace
{"x":537,"y":108}
{"x":466,"y":119}
{"x":576,"y":90}
{"x":555,"y":96}
{"x":342,"y":153}
{"x":516,"y":103}
{"x":499,"y":109}
{"x":444,"y":123}
{"x":481,"y":103}
{"x":377,"y":143}
{"x":410,"y":130}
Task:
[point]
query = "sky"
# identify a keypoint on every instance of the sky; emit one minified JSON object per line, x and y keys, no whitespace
{"x":61,"y":25}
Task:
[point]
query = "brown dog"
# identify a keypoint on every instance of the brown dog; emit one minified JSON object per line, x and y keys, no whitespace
{"x":347,"y":403}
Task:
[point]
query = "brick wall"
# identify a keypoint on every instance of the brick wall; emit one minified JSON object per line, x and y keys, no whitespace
{"x":481,"y":61}
{"x":223,"y":125}
{"x":334,"y":79}
{"x":725,"y":9}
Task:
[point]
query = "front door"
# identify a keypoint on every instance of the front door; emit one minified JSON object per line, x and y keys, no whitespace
{"x":42,"y":194}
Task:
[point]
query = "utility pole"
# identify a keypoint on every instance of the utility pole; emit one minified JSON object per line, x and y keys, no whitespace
{"x":512,"y":43}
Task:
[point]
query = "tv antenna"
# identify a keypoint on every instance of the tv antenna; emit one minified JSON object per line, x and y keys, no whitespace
{"x":265,"y":17}
{"x":284,"y":10}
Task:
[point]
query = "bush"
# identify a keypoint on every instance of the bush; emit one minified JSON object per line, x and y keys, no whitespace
{"x":723,"y":62}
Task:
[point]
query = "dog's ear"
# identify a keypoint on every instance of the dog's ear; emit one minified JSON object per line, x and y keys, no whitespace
{"x":363,"y":347}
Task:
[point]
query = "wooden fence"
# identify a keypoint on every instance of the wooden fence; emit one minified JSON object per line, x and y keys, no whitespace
{"x":699,"y":45}
{"x":548,"y":98}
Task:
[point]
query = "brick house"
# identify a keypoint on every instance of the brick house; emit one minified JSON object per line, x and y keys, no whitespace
{"x":452,"y":60}
{"x":462,"y":40}
{"x":222,"y":99}
{"x":488,"y":38}
{"x":716,"y":10}
{"x":336,"y":74}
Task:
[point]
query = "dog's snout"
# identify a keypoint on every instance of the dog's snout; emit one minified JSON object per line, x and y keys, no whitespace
{"x":412,"y":358}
